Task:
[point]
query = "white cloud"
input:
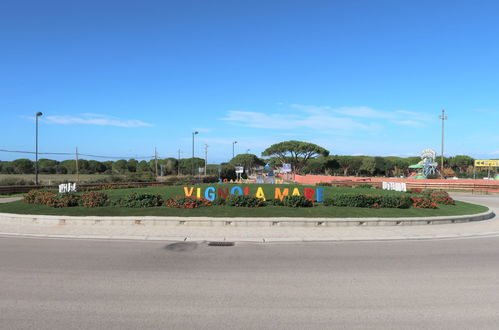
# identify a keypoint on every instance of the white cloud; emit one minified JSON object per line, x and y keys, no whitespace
{"x":95,"y":119}
{"x":287,"y":121}
{"x":408,"y":123}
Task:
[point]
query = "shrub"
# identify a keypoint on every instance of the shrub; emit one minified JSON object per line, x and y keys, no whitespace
{"x":187,"y":202}
{"x":439,"y":196}
{"x":324,"y":184}
{"x":423,"y":203}
{"x":373,"y":201}
{"x":218,"y":201}
{"x":365,"y":186}
{"x":43,"y":197}
{"x":297,"y":201}
{"x":134,"y":200}
{"x":244,"y":201}
{"x":275,"y":202}
{"x":51,"y":198}
{"x":65,"y":200}
{"x":210,"y":179}
{"x":94,"y":199}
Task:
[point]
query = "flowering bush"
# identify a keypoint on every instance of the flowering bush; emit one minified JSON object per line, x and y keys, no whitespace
{"x":94,"y":199}
{"x":65,"y":200}
{"x":440,"y":196}
{"x":423,"y":203}
{"x":187,"y":202}
{"x":51,"y":198}
{"x":44,"y":197}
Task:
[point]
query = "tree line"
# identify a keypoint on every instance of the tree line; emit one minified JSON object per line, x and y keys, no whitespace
{"x":460,"y":165}
{"x":304,"y":157}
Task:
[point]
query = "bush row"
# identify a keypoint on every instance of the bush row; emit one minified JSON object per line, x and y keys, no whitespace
{"x":53,"y":199}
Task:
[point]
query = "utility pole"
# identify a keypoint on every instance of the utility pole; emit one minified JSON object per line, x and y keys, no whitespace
{"x":443,"y":117}
{"x":178,"y":162}
{"x":156,"y":160}
{"x":77,"y":170}
{"x":192,"y":161}
{"x":205,"y":158}
{"x":38,"y":114}
{"x":233,"y":144}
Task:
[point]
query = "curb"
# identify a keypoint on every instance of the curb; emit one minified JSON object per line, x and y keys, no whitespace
{"x":27,"y":219}
{"x":252,"y":240}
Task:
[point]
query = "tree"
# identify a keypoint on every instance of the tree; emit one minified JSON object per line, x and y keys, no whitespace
{"x":23,"y":166}
{"x":298,"y":152}
{"x":95,"y":166}
{"x":143,"y":167}
{"x":69,"y":165}
{"x":120,"y":166}
{"x":47,"y":166}
{"x":247,"y":160}
{"x":460,"y":163}
{"x":171,"y":166}
{"x":132,"y":165}
{"x":368,"y":165}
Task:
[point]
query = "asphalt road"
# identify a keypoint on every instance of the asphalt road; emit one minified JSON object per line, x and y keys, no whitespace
{"x":83,"y":284}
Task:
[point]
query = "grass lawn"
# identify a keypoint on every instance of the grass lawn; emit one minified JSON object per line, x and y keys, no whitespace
{"x":319,"y":211}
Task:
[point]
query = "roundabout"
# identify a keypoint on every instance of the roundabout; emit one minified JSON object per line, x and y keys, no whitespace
{"x":255,"y":229}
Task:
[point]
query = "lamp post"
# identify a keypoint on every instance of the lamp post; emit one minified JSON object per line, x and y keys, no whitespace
{"x":443,"y":117}
{"x":192,"y":162}
{"x":38,"y":114}
{"x":233,"y":144}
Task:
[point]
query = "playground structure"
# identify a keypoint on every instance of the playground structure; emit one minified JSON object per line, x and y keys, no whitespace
{"x":427,"y":165}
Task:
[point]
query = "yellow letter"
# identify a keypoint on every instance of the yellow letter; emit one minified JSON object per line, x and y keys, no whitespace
{"x":296,"y":192}
{"x":188,"y":193}
{"x":280,"y":195}
{"x":260,"y":194}
{"x":198,"y":192}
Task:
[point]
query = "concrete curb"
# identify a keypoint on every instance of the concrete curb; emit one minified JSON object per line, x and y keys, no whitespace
{"x":252,"y":240}
{"x":59,"y":220}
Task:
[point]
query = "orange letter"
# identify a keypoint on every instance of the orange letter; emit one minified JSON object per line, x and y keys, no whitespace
{"x":280,"y":195}
{"x":188,"y":193}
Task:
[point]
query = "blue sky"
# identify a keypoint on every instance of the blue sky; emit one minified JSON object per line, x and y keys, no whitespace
{"x":120,"y":78}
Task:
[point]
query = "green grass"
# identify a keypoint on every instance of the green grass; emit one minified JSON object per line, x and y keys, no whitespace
{"x":319,"y":211}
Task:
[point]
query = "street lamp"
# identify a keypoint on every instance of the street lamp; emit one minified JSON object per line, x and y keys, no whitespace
{"x":233,"y":143}
{"x":192,"y":162}
{"x":38,"y":114}
{"x":443,"y":117}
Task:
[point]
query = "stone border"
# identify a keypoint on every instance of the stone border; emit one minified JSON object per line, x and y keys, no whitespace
{"x":60,"y":220}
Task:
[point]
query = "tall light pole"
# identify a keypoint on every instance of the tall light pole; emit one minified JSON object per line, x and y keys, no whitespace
{"x":443,"y":117}
{"x":233,"y":144}
{"x":38,"y":114}
{"x":192,"y":162}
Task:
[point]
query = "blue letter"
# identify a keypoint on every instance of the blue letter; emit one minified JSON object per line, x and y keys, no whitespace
{"x":209,"y":193}
{"x":233,"y":190}
{"x":320,"y":194}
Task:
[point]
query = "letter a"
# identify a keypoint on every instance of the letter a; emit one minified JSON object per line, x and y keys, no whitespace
{"x":260,"y":194}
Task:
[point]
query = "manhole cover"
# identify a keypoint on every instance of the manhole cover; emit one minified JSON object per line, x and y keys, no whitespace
{"x":221,"y":243}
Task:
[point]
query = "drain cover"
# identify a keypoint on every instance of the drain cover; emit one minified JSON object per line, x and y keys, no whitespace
{"x":221,"y":243}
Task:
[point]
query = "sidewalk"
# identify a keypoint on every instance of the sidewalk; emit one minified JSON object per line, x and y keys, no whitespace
{"x":267,"y":234}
